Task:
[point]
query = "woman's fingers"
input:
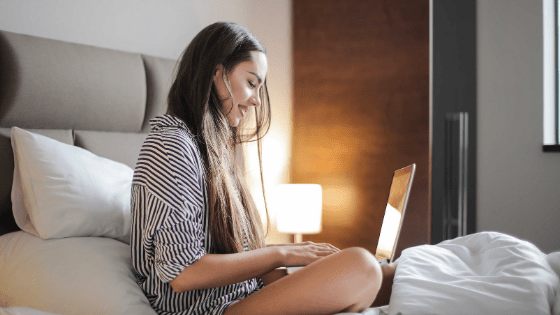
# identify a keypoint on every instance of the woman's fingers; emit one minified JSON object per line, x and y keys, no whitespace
{"x":319,"y":244}
{"x":323,"y":253}
{"x":331,"y":246}
{"x":308,"y":252}
{"x":323,"y":249}
{"x":301,"y":244}
{"x":318,"y":250}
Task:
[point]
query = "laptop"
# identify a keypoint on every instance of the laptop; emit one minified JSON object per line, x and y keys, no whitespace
{"x":393,"y":218}
{"x":394,"y":214}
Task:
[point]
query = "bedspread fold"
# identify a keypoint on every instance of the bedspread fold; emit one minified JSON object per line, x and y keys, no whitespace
{"x":482,"y":273}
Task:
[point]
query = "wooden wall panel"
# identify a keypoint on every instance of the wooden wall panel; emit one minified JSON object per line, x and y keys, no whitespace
{"x":361,"y":111}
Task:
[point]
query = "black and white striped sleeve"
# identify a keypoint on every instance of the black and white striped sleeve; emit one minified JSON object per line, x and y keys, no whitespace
{"x":171,"y":170}
{"x":177,"y":246}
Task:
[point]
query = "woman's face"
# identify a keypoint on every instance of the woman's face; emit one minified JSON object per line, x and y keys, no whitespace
{"x":245,"y":81}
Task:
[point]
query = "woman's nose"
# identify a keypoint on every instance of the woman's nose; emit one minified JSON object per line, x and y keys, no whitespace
{"x":256,"y":100}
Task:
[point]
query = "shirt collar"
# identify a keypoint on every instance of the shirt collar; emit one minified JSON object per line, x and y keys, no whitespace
{"x":166,"y":121}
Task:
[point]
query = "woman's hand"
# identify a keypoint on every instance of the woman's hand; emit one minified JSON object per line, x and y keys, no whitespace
{"x":302,"y":254}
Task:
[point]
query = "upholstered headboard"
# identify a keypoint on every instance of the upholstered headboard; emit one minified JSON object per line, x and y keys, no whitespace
{"x":95,"y":98}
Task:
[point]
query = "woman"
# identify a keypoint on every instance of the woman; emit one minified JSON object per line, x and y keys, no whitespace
{"x":197,"y":240}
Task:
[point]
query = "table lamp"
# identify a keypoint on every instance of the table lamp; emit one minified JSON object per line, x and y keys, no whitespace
{"x":299,"y":209}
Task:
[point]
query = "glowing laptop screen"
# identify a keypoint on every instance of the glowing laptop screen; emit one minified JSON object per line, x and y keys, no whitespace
{"x":394,"y":212}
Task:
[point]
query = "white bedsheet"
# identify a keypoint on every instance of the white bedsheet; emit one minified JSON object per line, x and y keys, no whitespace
{"x":483,"y":273}
{"x":370,"y":311}
{"x":69,"y":276}
{"x":31,"y":311}
{"x":22,"y":311}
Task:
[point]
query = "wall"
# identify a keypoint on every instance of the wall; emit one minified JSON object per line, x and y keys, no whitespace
{"x":518,"y":184}
{"x":361,"y":111}
{"x":164,"y":28}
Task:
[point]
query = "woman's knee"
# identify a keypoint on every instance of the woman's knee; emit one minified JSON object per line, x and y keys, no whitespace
{"x":367,"y":277}
{"x":362,"y":259}
{"x":367,"y":267}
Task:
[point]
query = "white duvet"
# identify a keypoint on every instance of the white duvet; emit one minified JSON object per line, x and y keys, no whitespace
{"x":483,"y":273}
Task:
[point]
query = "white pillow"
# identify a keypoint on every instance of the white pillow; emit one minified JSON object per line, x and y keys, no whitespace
{"x":75,"y":275}
{"x":60,"y":190}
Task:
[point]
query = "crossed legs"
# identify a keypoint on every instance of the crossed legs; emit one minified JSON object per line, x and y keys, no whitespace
{"x":347,"y":281}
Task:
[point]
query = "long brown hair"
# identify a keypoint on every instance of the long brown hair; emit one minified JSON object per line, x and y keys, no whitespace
{"x":234,"y":218}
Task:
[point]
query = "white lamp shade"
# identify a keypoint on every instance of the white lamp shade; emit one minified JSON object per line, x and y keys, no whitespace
{"x":299,"y":208}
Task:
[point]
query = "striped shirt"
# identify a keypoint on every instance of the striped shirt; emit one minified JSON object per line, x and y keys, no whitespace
{"x":170,"y":222}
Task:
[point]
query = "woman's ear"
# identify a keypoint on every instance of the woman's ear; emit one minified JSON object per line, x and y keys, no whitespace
{"x":219,"y":72}
{"x":220,"y":82}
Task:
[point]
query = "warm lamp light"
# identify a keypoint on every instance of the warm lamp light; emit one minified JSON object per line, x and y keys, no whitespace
{"x":299,"y":209}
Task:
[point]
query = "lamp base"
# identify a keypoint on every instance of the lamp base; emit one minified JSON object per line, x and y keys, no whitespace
{"x":297,"y":238}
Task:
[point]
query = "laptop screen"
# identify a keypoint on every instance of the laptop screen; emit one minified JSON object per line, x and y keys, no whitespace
{"x":394,"y":212}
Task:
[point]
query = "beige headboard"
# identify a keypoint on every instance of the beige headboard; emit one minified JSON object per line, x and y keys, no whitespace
{"x":95,"y":98}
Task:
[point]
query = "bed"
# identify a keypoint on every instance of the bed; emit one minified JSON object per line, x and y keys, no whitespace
{"x":72,"y":121}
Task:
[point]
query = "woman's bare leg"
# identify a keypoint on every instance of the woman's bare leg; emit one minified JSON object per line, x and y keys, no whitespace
{"x":347,"y":281}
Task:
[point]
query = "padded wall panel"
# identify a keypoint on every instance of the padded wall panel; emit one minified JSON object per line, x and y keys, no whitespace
{"x":7,"y":222}
{"x":159,"y":76}
{"x":122,"y":147}
{"x":360,"y":111}
{"x":52,"y":84}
